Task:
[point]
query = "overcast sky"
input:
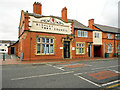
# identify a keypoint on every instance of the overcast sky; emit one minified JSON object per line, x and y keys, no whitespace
{"x":104,"y":12}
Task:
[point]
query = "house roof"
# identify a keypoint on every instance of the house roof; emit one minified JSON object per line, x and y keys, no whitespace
{"x":107,"y":28}
{"x":77,"y":24}
{"x":12,"y":44}
{"x":7,"y":41}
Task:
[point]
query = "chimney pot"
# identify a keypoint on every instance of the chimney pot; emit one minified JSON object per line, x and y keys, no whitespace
{"x":37,"y":8}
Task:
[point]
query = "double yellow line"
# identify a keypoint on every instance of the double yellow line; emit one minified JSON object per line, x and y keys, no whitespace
{"x":114,"y":85}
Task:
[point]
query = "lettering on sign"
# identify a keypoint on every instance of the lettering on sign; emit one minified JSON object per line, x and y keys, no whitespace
{"x":51,"y":20}
{"x":49,"y":24}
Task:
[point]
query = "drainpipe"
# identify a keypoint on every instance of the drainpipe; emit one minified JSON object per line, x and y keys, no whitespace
{"x":114,"y":43}
{"x":30,"y":45}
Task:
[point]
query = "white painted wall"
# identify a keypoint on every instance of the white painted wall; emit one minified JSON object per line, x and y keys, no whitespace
{"x":97,"y":41}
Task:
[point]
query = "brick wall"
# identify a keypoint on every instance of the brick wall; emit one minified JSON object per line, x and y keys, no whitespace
{"x":83,"y":39}
{"x":29,"y":46}
{"x":105,"y":41}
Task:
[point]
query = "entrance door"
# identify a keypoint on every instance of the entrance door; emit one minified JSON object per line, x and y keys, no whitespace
{"x":97,"y":51}
{"x":89,"y":50}
{"x":12,"y":50}
{"x":66,"y":49}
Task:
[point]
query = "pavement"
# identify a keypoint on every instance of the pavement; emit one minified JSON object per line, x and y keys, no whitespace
{"x":12,"y":59}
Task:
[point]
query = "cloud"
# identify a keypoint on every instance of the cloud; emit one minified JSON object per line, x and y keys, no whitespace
{"x":103,"y":11}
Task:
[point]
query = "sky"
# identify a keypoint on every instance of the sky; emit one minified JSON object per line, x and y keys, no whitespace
{"x":105,"y":12}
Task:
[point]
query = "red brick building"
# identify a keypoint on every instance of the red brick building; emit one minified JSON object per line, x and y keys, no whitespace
{"x":50,"y":37}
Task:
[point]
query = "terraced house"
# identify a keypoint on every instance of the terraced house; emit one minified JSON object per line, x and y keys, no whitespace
{"x":50,"y":37}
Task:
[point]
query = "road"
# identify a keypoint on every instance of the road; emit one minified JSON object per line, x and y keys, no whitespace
{"x":79,"y":74}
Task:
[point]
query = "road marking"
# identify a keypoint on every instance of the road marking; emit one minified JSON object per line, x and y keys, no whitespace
{"x":60,"y":68}
{"x":75,"y":64}
{"x":95,"y":83}
{"x":106,"y":67}
{"x":114,"y":71}
{"x":110,"y":83}
{"x":114,"y":85}
{"x":90,"y":81}
{"x":46,"y":75}
{"x":84,"y":73}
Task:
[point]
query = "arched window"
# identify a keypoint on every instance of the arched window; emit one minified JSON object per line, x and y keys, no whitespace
{"x":109,"y":48}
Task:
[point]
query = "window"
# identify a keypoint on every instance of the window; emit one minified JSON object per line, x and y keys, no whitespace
{"x":118,"y":48}
{"x":45,"y":45}
{"x":80,"y":48}
{"x":109,"y":48}
{"x":109,"y":36}
{"x":97,"y":35}
{"x":38,"y":48}
{"x":118,"y":36}
{"x":82,"y":33}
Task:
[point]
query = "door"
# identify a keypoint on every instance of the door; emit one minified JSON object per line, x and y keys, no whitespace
{"x":97,"y":51}
{"x":89,"y":50}
{"x":67,"y":49}
{"x":12,"y":50}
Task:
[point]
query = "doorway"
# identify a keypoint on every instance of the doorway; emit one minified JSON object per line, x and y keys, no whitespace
{"x":66,"y":49}
{"x":89,"y":50}
{"x":97,"y":51}
{"x":12,"y":50}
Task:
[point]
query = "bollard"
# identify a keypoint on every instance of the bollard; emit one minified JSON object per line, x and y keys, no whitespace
{"x":3,"y":56}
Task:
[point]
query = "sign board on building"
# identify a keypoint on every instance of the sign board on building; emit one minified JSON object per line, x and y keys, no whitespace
{"x":50,"y":24}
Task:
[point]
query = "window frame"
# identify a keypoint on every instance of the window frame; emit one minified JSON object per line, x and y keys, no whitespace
{"x":45,"y":45}
{"x":82,"y":33}
{"x":109,"y":36}
{"x":80,"y":47}
{"x":97,"y":35}
{"x":108,"y":48}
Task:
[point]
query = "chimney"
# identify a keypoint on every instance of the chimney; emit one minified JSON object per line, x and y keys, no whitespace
{"x":64,"y":14}
{"x":90,"y":23}
{"x":37,"y":8}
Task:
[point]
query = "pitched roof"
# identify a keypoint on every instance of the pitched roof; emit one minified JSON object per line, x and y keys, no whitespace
{"x":7,"y":41}
{"x":77,"y":24}
{"x":107,"y":28}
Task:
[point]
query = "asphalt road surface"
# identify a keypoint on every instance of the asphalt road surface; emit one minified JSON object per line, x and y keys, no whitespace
{"x":80,"y":74}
